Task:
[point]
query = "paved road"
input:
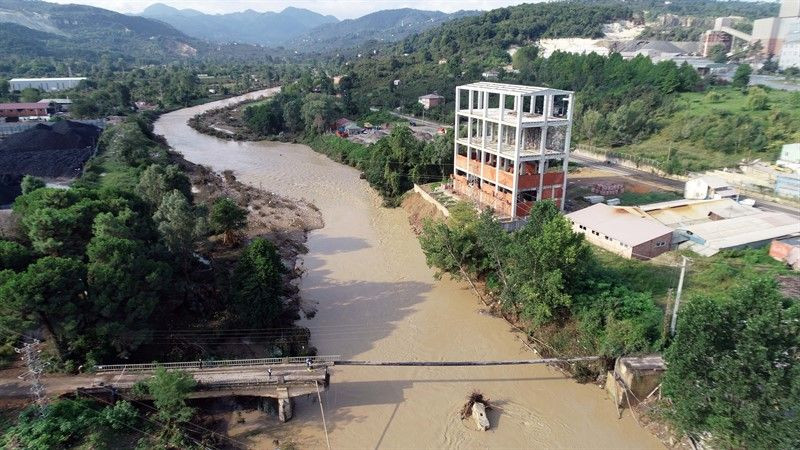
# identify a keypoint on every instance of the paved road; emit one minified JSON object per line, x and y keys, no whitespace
{"x":667,"y":183}
{"x":419,"y":121}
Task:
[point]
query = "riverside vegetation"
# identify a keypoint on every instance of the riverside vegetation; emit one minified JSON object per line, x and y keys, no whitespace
{"x":108,"y":268}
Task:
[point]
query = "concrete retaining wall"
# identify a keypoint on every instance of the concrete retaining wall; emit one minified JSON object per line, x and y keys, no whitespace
{"x":429,"y":198}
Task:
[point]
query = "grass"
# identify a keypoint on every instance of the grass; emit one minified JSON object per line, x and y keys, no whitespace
{"x":712,"y":276}
{"x":635,"y":198}
{"x":692,"y":107}
{"x":721,"y":273}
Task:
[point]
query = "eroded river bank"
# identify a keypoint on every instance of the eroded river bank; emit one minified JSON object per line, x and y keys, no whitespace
{"x":376,"y":299}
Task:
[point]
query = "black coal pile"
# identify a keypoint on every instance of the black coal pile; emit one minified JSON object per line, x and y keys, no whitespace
{"x":51,"y":151}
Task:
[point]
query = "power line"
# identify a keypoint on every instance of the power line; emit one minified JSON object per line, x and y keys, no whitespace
{"x":30,"y":356}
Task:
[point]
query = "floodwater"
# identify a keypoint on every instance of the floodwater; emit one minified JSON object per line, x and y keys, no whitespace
{"x":377,"y":300}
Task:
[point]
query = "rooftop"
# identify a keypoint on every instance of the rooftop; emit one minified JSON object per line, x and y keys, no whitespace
{"x":513,"y":89}
{"x":22,"y":80}
{"x":431,"y":96}
{"x":684,"y":212}
{"x":739,"y":231}
{"x":626,"y":225}
{"x":712,"y":181}
{"x":14,"y":106}
{"x":63,"y":101}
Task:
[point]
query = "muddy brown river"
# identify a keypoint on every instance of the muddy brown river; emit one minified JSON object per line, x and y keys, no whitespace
{"x":377,"y":300}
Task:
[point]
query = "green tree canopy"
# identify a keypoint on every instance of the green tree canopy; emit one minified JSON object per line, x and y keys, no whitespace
{"x":734,"y":368}
{"x":228,"y":218}
{"x":257,"y":285}
{"x":30,"y":184}
{"x":741,"y":78}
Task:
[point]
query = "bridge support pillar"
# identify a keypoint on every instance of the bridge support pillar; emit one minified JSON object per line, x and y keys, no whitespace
{"x":284,"y":405}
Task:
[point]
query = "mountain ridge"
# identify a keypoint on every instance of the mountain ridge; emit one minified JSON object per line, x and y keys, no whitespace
{"x":250,"y":27}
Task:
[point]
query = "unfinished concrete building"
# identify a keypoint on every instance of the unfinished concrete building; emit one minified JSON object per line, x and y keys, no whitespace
{"x":512,"y":146}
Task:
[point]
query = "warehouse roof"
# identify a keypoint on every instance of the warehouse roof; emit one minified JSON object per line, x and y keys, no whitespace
{"x":740,"y":231}
{"x":15,"y":106}
{"x":24,"y":80}
{"x":626,"y":225}
{"x":687,"y":212}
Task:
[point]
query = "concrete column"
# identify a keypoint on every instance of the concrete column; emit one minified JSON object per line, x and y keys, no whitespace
{"x":455,"y":141}
{"x":502,"y":106}
{"x":541,"y":179}
{"x":284,"y":405}
{"x":497,"y":165}
{"x":567,"y":142}
{"x":517,"y":149}
{"x":471,"y":92}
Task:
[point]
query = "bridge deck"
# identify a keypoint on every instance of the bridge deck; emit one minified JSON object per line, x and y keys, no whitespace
{"x":216,"y":382}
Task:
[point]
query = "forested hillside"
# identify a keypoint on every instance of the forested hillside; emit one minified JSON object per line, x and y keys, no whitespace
{"x":267,"y":28}
{"x":47,"y":33}
{"x":619,"y":102}
{"x":379,"y":27}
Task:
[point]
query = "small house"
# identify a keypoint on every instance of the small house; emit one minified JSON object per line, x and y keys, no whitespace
{"x":14,"y":112}
{"x":431,"y":100}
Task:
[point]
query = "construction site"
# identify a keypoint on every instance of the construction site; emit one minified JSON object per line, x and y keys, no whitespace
{"x":512,"y":146}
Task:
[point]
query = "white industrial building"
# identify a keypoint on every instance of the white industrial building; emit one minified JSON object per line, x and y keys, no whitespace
{"x":45,"y":84}
{"x":772,"y":33}
{"x":625,"y":231}
{"x":790,"y":53}
{"x":512,"y":146}
{"x":708,"y":187}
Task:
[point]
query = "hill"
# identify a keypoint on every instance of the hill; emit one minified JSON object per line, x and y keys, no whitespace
{"x":267,"y":28}
{"x":36,"y":28}
{"x":382,"y":26}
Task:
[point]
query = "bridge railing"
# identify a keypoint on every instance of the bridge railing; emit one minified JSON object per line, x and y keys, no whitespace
{"x":200,"y":364}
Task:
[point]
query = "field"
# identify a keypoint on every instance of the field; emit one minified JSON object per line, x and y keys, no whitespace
{"x":699,"y":121}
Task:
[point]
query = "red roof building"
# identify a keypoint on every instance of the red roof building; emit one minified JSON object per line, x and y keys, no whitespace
{"x":17,"y":110}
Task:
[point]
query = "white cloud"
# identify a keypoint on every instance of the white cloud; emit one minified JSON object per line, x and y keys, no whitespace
{"x":343,"y":9}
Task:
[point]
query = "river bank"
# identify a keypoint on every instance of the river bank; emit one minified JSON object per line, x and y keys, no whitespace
{"x":376,"y":299}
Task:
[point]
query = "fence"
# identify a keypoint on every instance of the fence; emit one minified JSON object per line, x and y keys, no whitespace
{"x":623,"y":159}
{"x":197,"y":365}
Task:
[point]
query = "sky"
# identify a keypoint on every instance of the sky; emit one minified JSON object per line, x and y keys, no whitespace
{"x":342,"y":9}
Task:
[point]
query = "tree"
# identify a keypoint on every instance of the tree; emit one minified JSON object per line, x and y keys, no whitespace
{"x":177,"y":225}
{"x":319,"y":112}
{"x":546,"y":259}
{"x":257,"y":285}
{"x":50,"y":293}
{"x":741,"y":78}
{"x":5,"y":87}
{"x":757,"y":99}
{"x":228,"y":218}
{"x":126,"y":285}
{"x":734,"y":368}
{"x":30,"y":95}
{"x":14,"y":256}
{"x":157,"y":180}
{"x":30,"y":184}
{"x":718,"y":54}
{"x":69,"y":424}
{"x":169,"y":390}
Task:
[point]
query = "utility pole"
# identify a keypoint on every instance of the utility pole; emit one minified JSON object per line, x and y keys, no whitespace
{"x":678,"y":297}
{"x":30,"y":355}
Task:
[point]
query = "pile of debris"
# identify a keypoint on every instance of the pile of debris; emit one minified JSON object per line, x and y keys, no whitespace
{"x":476,"y":407}
{"x":49,"y":151}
